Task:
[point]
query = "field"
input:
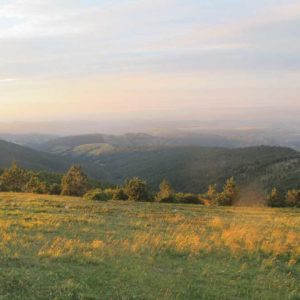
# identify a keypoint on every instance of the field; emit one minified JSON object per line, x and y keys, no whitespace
{"x":66,"y":248}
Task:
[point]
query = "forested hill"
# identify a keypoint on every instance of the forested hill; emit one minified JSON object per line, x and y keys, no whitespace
{"x":81,"y":144}
{"x":188,"y":168}
{"x":194,"y":168}
{"x":30,"y":159}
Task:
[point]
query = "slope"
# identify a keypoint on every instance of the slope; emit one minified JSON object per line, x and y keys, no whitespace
{"x":30,"y":159}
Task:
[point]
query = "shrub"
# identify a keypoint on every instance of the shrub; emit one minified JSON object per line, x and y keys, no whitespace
{"x":54,"y":189}
{"x":14,"y":179}
{"x":275,"y":199}
{"x":97,"y":195}
{"x":74,"y":183}
{"x":119,"y":194}
{"x":188,"y":198}
{"x":34,"y":185}
{"x":229,"y":194}
{"x":212,"y":193}
{"x":293,"y":198}
{"x":136,"y":189}
{"x":223,"y":199}
{"x":165,"y":194}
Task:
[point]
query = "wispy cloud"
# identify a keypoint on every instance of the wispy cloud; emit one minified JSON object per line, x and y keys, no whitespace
{"x":207,"y":44}
{"x":8,"y":80}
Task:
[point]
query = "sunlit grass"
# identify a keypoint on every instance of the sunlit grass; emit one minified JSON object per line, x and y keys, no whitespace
{"x":151,"y":251}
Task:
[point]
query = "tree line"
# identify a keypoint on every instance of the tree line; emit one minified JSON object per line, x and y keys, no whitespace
{"x":76,"y":183}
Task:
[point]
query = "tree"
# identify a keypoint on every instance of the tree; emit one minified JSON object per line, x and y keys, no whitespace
{"x":14,"y":179}
{"x":35,"y":185}
{"x":136,"y":189}
{"x":293,"y":198}
{"x":166,"y":193}
{"x":229,"y":194}
{"x":75,"y":182}
{"x":212,"y":192}
{"x":275,"y":199}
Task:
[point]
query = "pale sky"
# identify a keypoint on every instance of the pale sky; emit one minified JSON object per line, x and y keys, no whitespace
{"x":89,"y":59}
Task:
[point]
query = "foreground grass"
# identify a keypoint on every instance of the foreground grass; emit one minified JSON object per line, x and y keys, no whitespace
{"x":66,"y":248}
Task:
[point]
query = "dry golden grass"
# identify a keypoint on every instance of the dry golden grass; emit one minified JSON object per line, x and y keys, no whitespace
{"x":52,"y":229}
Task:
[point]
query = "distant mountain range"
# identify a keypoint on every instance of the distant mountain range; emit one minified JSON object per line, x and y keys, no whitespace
{"x":111,"y":158}
{"x":30,"y":140}
{"x":192,"y":136}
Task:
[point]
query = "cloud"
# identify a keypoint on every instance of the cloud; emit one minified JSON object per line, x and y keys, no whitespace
{"x":8,"y":80}
{"x":43,"y":38}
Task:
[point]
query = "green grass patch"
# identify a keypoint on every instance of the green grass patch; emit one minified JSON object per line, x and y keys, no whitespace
{"x":66,"y":248}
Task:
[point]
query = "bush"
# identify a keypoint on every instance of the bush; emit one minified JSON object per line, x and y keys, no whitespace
{"x":229,"y":194}
{"x":188,"y":198}
{"x":34,"y":185}
{"x":54,"y":189}
{"x":14,"y":179}
{"x":275,"y":199}
{"x":74,"y":183}
{"x":97,"y":195}
{"x":223,"y":199}
{"x":212,"y":193}
{"x":119,"y":194}
{"x":293,"y":198}
{"x":136,"y":189}
{"x":165,"y":194}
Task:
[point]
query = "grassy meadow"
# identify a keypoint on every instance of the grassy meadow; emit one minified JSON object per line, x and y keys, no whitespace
{"x":55,"y":247}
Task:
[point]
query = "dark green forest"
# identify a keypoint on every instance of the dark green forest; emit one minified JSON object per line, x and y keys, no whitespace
{"x":189,"y":169}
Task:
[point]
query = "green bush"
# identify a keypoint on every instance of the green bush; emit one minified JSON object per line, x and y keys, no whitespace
{"x":188,"y":198}
{"x":229,"y":195}
{"x":119,"y":194}
{"x":14,"y":179}
{"x":34,"y":185}
{"x":212,"y":193}
{"x":166,"y":193}
{"x":97,"y":195}
{"x":137,"y":189}
{"x":275,"y":199}
{"x":223,"y":199}
{"x":75,"y":182}
{"x":54,"y":189}
{"x":293,"y":198}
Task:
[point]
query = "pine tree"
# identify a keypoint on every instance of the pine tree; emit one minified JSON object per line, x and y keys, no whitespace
{"x":75,"y":182}
{"x":229,"y":194}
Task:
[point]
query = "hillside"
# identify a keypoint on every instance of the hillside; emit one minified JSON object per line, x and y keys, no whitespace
{"x":28,"y":140}
{"x":188,"y":168}
{"x":93,"y":144}
{"x":67,"y":248}
{"x":83,"y":144}
{"x":30,"y":159}
{"x":194,"y":168}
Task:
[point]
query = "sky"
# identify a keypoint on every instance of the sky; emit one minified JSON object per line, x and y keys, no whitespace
{"x":147,"y":59}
